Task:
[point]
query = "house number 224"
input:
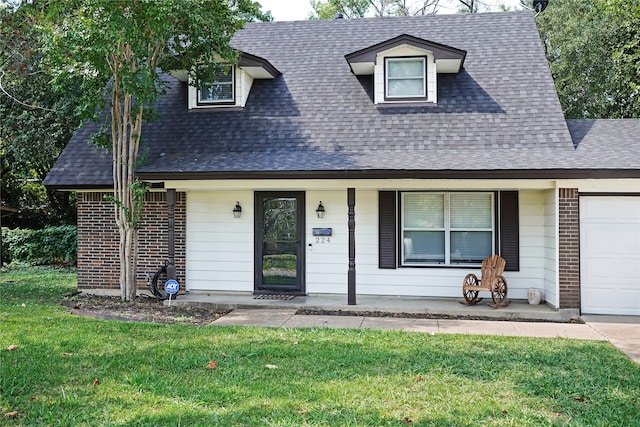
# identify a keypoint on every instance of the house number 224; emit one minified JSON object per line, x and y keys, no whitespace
{"x":323,"y":239}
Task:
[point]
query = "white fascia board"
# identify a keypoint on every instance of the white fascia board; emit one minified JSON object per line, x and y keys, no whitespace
{"x":626,"y":185}
{"x":447,"y":66}
{"x":404,"y":50}
{"x":180,"y":75}
{"x":362,"y":68}
{"x":257,"y":72}
{"x":360,"y":184}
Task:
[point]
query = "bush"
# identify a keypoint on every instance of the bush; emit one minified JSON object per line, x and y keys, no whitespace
{"x":52,"y":245}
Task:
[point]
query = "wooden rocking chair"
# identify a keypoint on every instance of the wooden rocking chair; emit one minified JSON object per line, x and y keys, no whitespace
{"x":491,"y":280}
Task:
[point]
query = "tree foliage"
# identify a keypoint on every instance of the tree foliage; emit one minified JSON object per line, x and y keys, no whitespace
{"x":119,"y":50}
{"x":47,"y":246}
{"x":350,"y":9}
{"x":36,"y":123}
{"x":327,"y":9}
{"x":593,"y":49}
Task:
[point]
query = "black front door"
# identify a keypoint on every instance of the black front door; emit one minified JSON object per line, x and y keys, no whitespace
{"x":279,"y":242}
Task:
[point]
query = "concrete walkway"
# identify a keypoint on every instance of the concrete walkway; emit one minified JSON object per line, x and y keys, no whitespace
{"x":517,"y":309}
{"x":288,"y":319}
{"x":622,"y":332}
{"x":519,"y":319}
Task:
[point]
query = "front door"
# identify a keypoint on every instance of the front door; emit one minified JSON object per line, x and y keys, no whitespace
{"x":279,"y":242}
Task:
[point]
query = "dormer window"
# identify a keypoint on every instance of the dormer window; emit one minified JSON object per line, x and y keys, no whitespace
{"x":405,"y":68}
{"x":405,"y":78}
{"x":232,"y":84}
{"x":221,"y":91}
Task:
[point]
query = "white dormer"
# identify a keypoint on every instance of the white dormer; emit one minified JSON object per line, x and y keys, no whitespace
{"x":405,"y":74}
{"x":405,"y":68}
{"x":232,"y":84}
{"x":230,"y":89}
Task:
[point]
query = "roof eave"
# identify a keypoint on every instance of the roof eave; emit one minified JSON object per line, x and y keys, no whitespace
{"x":257,"y":67}
{"x":247,"y":60}
{"x":398,"y":174}
{"x":440,"y":51}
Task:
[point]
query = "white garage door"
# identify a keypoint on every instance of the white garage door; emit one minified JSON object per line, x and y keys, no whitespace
{"x":610,"y":254}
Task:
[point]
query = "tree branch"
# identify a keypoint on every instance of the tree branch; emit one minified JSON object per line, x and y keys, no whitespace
{"x":33,"y":107}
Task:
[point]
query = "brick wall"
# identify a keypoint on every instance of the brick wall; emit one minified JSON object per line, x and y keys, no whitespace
{"x":569,"y":247}
{"x":98,"y":240}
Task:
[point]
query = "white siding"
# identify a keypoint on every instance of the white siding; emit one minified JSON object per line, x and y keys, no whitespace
{"x":327,"y":259}
{"x":445,"y":282}
{"x":220,"y":248}
{"x":243,"y":82}
{"x":551,"y":248}
{"x":243,"y":86}
{"x":532,"y":245}
{"x":378,"y":73}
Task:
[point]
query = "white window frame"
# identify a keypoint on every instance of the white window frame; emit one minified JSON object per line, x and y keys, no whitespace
{"x":232,"y":83}
{"x":387,"y":60}
{"x":447,"y":229}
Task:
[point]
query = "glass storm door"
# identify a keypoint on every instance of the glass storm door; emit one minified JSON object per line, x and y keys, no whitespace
{"x":280,"y":242}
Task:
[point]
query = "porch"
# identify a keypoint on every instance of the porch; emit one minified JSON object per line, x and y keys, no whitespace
{"x":376,"y":305}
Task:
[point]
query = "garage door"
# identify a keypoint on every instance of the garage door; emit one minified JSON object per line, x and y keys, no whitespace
{"x":610,"y":254}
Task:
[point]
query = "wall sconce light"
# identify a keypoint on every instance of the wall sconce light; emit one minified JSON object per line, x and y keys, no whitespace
{"x":320,"y":211}
{"x":237,"y":210}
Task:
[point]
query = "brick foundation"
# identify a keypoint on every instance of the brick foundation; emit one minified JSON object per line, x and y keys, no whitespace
{"x":98,"y":239}
{"x":569,"y":247}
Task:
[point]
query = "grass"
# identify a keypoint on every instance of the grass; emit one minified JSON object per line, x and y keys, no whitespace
{"x":71,"y":371}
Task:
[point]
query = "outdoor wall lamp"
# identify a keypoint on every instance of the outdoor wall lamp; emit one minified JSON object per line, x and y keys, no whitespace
{"x":237,"y":210}
{"x":320,"y":211}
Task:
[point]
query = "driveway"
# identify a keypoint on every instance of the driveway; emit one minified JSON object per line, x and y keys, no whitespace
{"x":621,"y":331}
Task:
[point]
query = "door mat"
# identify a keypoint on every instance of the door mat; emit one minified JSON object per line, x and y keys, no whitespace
{"x":279,"y":297}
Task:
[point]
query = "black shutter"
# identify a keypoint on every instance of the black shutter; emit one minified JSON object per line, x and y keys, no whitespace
{"x":387,"y":239}
{"x":510,"y":230}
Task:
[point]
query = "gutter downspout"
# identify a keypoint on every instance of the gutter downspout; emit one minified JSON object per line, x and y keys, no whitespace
{"x":171,"y":232}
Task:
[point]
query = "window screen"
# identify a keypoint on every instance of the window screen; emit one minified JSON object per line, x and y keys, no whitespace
{"x":406,"y":78}
{"x":221,"y":90}
{"x":447,"y":228}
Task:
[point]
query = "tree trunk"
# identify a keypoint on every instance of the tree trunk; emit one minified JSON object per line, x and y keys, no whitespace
{"x":128,"y":195}
{"x":126,"y":124}
{"x":128,"y":266}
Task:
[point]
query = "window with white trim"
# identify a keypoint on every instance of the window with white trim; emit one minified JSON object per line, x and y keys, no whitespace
{"x":447,"y":228}
{"x":221,"y":91}
{"x":405,"y":78}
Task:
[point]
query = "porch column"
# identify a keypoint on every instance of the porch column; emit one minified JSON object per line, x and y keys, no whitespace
{"x":351,"y":277}
{"x":569,"y":248}
{"x":171,"y":233}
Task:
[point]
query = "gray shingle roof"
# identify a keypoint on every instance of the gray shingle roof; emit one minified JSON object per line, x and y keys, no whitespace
{"x":606,"y":143}
{"x":500,"y":113}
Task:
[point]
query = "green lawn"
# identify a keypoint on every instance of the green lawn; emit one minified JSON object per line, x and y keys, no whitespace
{"x":78,"y":371}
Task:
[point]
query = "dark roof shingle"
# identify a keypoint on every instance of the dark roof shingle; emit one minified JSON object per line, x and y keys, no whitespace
{"x":501,"y":112}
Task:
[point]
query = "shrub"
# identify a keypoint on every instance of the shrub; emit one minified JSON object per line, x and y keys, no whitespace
{"x":52,"y":245}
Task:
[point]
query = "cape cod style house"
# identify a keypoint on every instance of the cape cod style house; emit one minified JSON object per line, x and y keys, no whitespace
{"x":383,"y":156}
